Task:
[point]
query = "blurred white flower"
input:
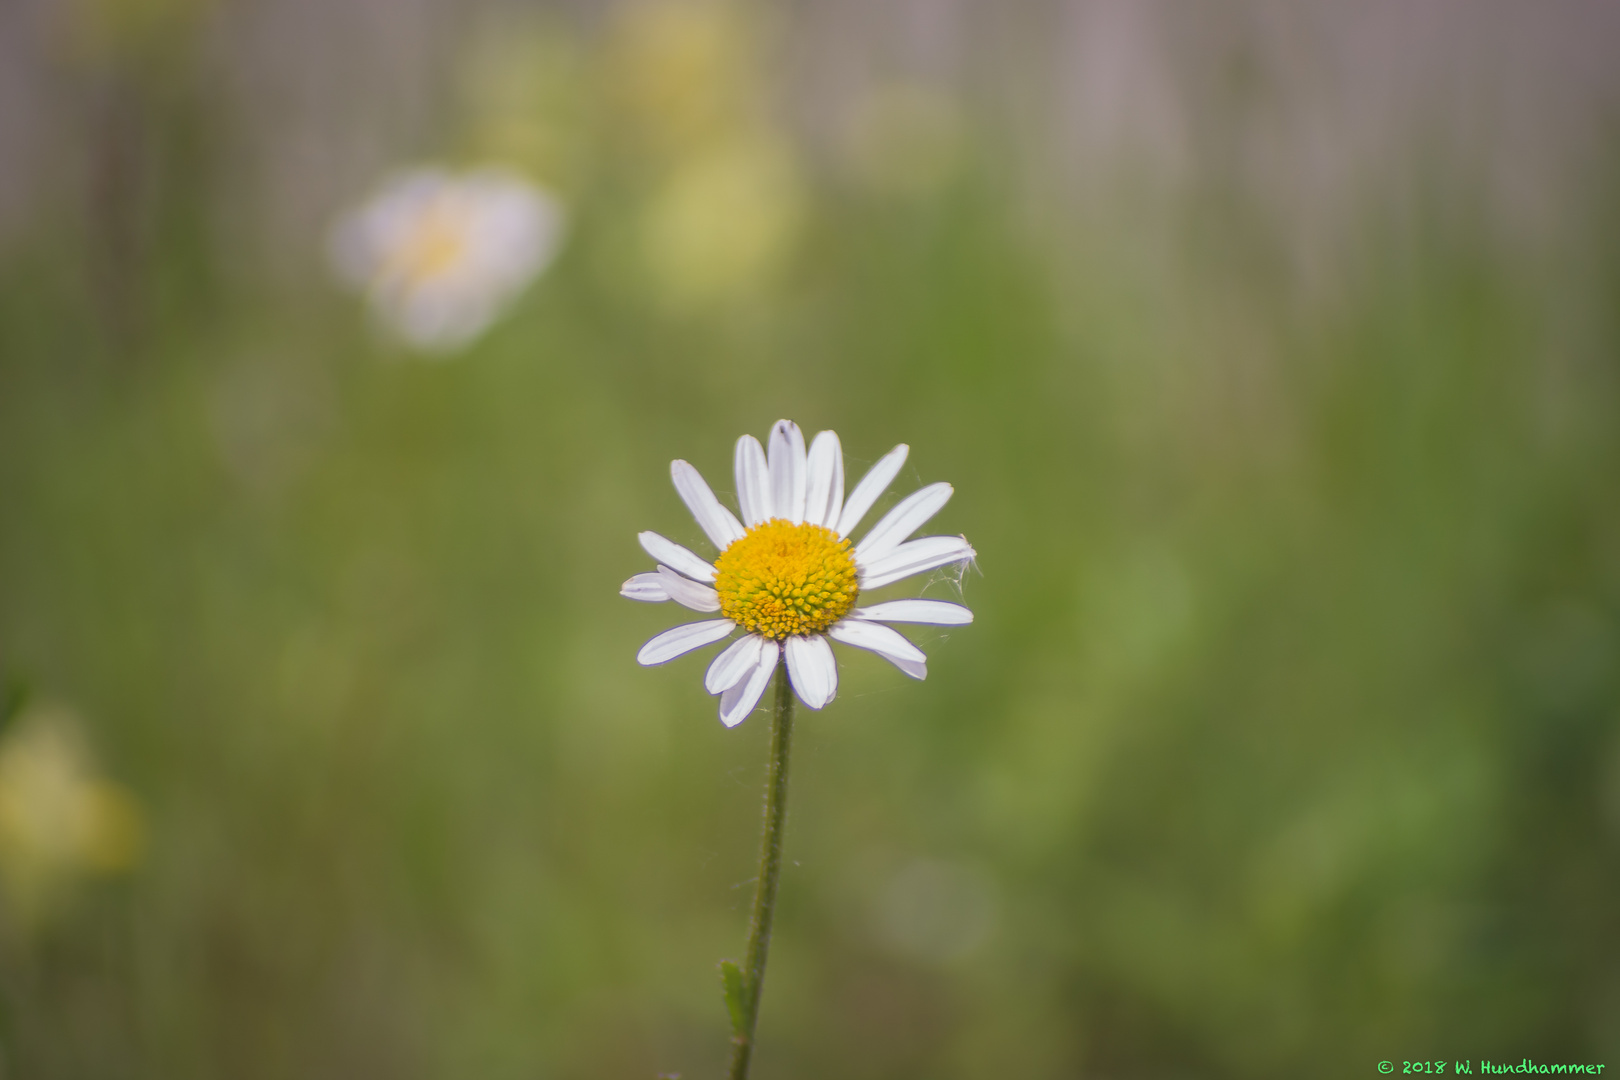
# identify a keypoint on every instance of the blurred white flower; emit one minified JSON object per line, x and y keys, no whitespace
{"x":439,"y":253}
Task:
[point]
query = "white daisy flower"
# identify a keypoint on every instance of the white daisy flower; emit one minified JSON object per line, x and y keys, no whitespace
{"x":787,"y":574}
{"x":440,"y":253}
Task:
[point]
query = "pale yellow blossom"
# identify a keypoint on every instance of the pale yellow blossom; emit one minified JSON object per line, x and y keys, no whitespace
{"x":59,"y":820}
{"x":521,"y":88}
{"x":684,"y":72}
{"x":722,"y":224}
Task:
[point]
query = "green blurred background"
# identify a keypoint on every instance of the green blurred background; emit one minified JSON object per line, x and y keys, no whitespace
{"x":1272,"y":351}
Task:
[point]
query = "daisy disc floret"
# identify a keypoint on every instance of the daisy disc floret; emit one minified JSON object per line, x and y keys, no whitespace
{"x":780,"y":579}
{"x":788,"y":575}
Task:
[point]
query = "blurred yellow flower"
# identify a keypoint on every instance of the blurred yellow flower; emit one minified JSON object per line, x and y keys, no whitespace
{"x":722,"y":224}
{"x":58,"y":819}
{"x":721,"y":196}
{"x":441,"y":253}
{"x":522,"y":84}
{"x":683,"y":72}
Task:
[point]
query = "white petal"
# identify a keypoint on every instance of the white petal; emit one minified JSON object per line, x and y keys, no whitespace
{"x":739,"y":701}
{"x":913,"y":558}
{"x":911,"y":514}
{"x":824,"y":491}
{"x":645,"y":587}
{"x":753,"y":482}
{"x":870,"y":489}
{"x":787,"y":471}
{"x":717,"y":523}
{"x":434,"y":317}
{"x":885,"y":642}
{"x":813,"y":670}
{"x":676,"y":557}
{"x":688,"y":593}
{"x":933,"y":612}
{"x":733,"y":665}
{"x":917,"y":669}
{"x":682,"y":640}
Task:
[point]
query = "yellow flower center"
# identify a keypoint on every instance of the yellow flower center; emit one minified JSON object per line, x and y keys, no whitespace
{"x":434,"y":245}
{"x":780,"y":578}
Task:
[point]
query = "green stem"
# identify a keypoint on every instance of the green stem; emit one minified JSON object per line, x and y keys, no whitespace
{"x":770,"y":868}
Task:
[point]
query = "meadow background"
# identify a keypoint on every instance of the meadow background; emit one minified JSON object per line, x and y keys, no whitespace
{"x":1273,"y":351}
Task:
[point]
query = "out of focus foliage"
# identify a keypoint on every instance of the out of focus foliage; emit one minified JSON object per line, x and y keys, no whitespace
{"x":1284,"y":740}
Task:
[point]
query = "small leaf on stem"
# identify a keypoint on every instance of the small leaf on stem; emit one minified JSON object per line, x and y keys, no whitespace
{"x":736,"y":992}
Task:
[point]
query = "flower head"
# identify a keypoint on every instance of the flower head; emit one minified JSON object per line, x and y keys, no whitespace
{"x":684,"y":72}
{"x":439,"y":254}
{"x":723,"y":223}
{"x":58,"y":819}
{"x":788,"y":575}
